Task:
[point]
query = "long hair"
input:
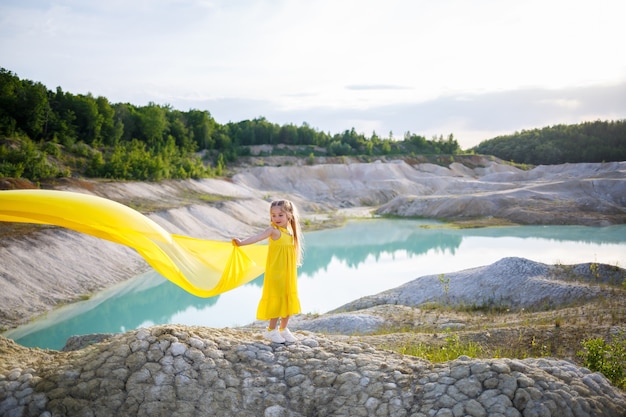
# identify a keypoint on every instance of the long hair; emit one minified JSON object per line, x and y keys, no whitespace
{"x":294,"y":223}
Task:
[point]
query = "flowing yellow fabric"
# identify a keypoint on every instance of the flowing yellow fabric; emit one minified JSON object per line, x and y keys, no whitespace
{"x":202,"y":267}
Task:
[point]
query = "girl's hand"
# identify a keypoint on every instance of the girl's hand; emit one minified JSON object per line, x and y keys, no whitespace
{"x":236,"y":242}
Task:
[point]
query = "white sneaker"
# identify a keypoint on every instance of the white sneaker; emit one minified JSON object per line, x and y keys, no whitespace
{"x":274,"y":336}
{"x":289,"y":338}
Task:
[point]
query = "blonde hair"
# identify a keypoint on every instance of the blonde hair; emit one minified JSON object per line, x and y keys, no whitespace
{"x":292,"y":214}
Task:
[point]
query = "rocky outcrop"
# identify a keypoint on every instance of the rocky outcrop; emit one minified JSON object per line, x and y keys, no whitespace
{"x":198,"y":371}
{"x":587,"y":194}
{"x":192,"y":371}
{"x":513,"y":283}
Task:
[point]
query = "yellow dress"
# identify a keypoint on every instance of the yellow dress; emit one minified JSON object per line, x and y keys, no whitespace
{"x":280,"y":286}
{"x":202,"y":267}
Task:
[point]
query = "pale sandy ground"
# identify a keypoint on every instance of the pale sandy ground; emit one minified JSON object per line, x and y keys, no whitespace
{"x":44,"y":267}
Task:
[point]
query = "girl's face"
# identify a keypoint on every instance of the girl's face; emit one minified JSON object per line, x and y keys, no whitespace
{"x":279,"y":217}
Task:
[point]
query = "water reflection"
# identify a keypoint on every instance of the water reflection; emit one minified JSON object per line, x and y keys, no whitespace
{"x":365,"y":257}
{"x":362,"y":240}
{"x":148,"y":298}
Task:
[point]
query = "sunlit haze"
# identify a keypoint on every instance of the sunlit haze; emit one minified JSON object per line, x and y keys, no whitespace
{"x":475,"y":69}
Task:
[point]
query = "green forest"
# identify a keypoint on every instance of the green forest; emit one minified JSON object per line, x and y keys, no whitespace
{"x":48,"y":134}
{"x":586,"y":142}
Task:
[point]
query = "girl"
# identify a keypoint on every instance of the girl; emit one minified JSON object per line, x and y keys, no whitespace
{"x":280,"y":291}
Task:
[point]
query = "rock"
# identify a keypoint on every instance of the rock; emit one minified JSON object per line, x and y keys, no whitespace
{"x":514,"y":283}
{"x":202,"y":371}
{"x":342,"y":323}
{"x":79,"y":342}
{"x":589,"y":194}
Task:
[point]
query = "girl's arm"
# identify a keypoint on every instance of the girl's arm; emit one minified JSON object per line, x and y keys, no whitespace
{"x":270,"y":231}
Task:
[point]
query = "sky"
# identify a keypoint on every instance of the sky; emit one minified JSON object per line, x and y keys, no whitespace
{"x":475,"y":69}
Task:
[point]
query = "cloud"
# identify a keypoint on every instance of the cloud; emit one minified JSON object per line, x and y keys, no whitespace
{"x":377,"y":87}
{"x":474,"y":69}
{"x":470,"y":117}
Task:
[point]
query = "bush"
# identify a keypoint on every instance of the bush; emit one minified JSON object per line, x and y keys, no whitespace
{"x":22,"y":158}
{"x":607,"y":358}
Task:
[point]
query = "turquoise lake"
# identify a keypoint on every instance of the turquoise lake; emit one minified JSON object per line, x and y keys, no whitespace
{"x":362,"y":258}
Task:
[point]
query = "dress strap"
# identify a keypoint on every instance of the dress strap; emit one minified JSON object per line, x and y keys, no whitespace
{"x":281,"y":229}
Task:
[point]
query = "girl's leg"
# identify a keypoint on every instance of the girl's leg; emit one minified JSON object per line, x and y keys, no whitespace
{"x":284,"y":331}
{"x":272,"y":333}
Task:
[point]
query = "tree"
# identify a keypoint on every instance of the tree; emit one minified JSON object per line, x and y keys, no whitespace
{"x":112,"y":129}
{"x":62,"y":120}
{"x":288,"y":134}
{"x":23,"y":105}
{"x":202,"y":127}
{"x":179,"y":131}
{"x":88,"y":120}
{"x":152,"y":123}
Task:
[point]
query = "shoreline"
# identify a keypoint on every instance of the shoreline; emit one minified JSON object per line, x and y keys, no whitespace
{"x":142,"y":282}
{"x":40,"y":272}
